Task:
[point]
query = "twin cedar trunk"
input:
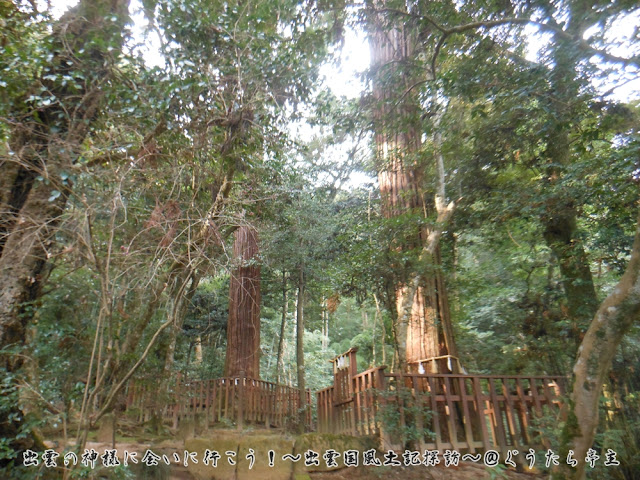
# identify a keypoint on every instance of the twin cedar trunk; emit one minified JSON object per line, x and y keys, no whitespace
{"x":423,"y":324}
{"x":243,"y":329}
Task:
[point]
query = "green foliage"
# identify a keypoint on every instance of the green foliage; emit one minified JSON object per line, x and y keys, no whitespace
{"x":499,"y":471}
{"x":219,"y":111}
{"x":119,"y":472}
{"x":401,"y":414}
{"x":621,"y":436}
{"x":18,"y":431}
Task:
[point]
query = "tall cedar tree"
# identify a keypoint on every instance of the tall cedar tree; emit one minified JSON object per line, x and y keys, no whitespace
{"x":423,"y":322}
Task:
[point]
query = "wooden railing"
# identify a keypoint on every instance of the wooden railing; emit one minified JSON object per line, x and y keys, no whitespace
{"x":467,"y":413}
{"x":357,"y":415}
{"x":236,"y":400}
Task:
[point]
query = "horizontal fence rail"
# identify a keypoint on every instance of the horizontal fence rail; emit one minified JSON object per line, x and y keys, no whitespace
{"x":468,"y":413}
{"x":234,"y":399}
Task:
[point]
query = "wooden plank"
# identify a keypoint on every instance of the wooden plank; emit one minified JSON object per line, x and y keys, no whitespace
{"x":419,"y":401}
{"x":536,"y":398}
{"x":321,"y":412}
{"x":227,"y":394}
{"x":267,"y":406}
{"x":524,"y":411}
{"x":466,"y":421}
{"x":214,"y":396}
{"x":373,"y":403}
{"x":309,"y":412}
{"x":497,"y":412}
{"x":329,"y":410}
{"x":369,"y":405}
{"x":250,"y":400}
{"x":276,"y":406}
{"x":353,"y":363}
{"x":282,"y":404}
{"x":354,"y":412}
{"x":516,"y":437}
{"x":434,"y":412}
{"x":359,"y":414}
{"x":452,"y":417}
{"x":366,"y":403}
{"x":240,"y":403}
{"x":207,"y":402}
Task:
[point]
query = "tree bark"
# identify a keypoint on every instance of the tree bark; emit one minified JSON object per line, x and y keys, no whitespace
{"x":197,"y":346}
{"x":614,"y":318}
{"x":561,"y":236}
{"x":243,"y":330}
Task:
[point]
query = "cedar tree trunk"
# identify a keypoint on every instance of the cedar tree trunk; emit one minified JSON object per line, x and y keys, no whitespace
{"x":243,"y":330}
{"x":423,"y":323}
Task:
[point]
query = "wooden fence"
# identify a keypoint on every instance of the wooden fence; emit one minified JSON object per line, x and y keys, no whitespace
{"x":468,"y":413}
{"x":236,"y":400}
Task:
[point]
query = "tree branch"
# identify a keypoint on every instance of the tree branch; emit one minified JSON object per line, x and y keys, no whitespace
{"x":556,"y":30}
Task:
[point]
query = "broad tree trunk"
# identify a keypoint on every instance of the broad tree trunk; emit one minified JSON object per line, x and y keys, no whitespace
{"x":561,"y":236}
{"x":243,"y":330}
{"x":423,"y":323}
{"x":614,"y":318}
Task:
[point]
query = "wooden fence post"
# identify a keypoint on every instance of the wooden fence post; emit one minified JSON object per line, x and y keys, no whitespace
{"x":380,"y":385}
{"x":240,"y":393}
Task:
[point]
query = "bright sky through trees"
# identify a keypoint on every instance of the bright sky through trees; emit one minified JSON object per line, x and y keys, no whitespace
{"x":344,"y":76}
{"x":344,"y":79}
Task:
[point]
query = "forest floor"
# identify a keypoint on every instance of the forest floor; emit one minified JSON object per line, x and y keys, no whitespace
{"x":167,"y":445}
